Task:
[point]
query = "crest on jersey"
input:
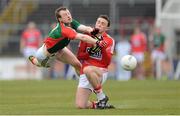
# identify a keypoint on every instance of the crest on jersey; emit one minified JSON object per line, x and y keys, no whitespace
{"x":97,"y":55}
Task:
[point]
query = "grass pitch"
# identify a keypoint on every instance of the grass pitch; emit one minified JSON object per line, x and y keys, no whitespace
{"x":58,"y":97}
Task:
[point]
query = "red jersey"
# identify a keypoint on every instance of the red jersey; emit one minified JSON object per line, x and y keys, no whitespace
{"x":31,"y":38}
{"x":101,"y":59}
{"x":138,"y":43}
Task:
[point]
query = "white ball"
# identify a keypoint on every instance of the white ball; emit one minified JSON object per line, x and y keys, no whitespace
{"x":128,"y":62}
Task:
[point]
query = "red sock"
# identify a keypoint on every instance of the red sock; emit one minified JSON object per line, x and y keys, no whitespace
{"x":93,"y":105}
{"x":33,"y":61}
{"x":98,"y":89}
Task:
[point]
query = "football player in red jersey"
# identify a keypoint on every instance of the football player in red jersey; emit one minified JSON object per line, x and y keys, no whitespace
{"x":94,"y":68}
{"x":138,"y":43}
{"x":59,"y":37}
{"x":30,"y":41}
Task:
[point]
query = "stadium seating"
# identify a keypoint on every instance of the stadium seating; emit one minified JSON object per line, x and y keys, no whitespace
{"x":42,"y":13}
{"x":11,"y":17}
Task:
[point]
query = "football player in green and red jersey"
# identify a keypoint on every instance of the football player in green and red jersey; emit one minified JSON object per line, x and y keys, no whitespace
{"x":59,"y":37}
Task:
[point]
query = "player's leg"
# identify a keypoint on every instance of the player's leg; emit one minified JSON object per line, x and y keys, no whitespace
{"x":83,"y":93}
{"x":139,"y":70}
{"x":95,"y":77}
{"x":31,"y":69}
{"x":82,"y":98}
{"x":153,"y":59}
{"x":66,"y":56}
{"x":41,"y":58}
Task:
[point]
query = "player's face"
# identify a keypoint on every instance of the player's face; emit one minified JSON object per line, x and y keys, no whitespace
{"x":65,"y":16}
{"x":101,"y":24}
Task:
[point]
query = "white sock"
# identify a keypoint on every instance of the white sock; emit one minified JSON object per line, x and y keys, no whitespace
{"x":100,"y":95}
{"x":40,"y":55}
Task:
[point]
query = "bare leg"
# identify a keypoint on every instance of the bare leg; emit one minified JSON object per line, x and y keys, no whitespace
{"x":66,"y":56}
{"x":82,"y":98}
{"x":95,"y":75}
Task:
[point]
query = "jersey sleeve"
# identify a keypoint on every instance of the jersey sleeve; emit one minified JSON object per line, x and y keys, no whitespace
{"x":67,"y":32}
{"x":108,"y":52}
{"x":111,"y":45}
{"x":75,"y":24}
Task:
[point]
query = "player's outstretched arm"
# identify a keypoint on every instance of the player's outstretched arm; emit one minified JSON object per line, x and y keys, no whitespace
{"x":86,"y":38}
{"x":85,"y":29}
{"x":89,"y":39}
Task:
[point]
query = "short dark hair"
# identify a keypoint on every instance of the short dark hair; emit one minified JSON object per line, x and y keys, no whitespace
{"x":106,"y":18}
{"x":57,"y":15}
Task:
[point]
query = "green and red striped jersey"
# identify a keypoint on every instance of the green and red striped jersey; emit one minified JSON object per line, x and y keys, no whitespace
{"x":60,"y":36}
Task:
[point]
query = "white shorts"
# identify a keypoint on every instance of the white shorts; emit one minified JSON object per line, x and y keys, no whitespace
{"x":42,"y":57}
{"x":84,"y":83}
{"x":139,"y":56}
{"x":157,"y":55}
{"x":29,"y":51}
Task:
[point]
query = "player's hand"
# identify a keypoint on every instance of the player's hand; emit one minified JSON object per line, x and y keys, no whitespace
{"x":95,"y":31}
{"x":101,"y":43}
{"x":89,"y":29}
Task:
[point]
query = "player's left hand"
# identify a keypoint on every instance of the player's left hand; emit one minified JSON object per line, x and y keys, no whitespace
{"x":95,"y":31}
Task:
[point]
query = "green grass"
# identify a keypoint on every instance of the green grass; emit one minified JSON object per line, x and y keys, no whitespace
{"x":58,"y":97}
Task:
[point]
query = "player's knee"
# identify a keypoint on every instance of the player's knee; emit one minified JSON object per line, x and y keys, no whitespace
{"x":87,"y":70}
{"x":91,"y":70}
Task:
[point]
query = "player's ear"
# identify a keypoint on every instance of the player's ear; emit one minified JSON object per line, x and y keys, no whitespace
{"x":60,"y":19}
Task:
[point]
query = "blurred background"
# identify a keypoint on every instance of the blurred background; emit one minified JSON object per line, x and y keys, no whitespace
{"x":151,"y":26}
